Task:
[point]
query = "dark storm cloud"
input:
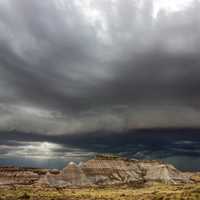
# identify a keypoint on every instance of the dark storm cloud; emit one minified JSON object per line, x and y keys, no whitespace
{"x":178,"y":146}
{"x":41,"y":48}
{"x":73,"y":67}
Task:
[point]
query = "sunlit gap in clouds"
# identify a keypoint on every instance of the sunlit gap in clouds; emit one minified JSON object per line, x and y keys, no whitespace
{"x":158,"y":5}
{"x":170,"y":5}
{"x":43,"y":151}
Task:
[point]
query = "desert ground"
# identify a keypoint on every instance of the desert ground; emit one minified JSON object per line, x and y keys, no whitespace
{"x":154,"y":192}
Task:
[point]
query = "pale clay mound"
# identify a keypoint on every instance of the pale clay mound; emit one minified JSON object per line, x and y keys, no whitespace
{"x":97,"y":172}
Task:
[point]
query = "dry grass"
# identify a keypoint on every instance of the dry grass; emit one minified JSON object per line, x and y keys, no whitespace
{"x":155,"y":192}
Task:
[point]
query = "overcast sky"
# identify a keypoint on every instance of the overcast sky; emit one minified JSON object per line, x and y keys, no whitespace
{"x":83,"y":66}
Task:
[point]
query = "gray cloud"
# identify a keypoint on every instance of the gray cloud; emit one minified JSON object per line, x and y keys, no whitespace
{"x":73,"y":66}
{"x":177,"y":146}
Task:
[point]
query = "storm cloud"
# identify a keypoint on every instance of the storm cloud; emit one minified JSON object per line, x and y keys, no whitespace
{"x":73,"y":68}
{"x":86,"y":65}
{"x":177,"y":146}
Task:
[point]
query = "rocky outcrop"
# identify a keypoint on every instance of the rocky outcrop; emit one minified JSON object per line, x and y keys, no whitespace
{"x":71,"y":175}
{"x":100,"y":171}
{"x":113,"y":171}
{"x":160,"y":172}
{"x":74,"y":175}
{"x":14,"y":176}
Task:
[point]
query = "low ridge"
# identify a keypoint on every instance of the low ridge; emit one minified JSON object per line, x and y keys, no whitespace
{"x":103,"y":170}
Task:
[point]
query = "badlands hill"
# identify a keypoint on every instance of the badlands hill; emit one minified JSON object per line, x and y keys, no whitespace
{"x":103,"y":170}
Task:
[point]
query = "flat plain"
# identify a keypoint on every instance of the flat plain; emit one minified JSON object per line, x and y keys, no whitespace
{"x":156,"y":191}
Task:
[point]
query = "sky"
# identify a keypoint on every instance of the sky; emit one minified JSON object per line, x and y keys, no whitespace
{"x":87,"y":76}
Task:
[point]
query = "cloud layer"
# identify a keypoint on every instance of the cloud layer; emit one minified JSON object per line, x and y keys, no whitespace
{"x":86,"y":65}
{"x":73,"y":68}
{"x":177,"y":146}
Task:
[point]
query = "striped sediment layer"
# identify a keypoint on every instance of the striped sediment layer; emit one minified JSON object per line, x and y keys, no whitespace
{"x":100,"y":171}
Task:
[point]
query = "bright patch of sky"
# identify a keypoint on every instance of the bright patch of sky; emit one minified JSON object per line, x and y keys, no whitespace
{"x":170,"y":5}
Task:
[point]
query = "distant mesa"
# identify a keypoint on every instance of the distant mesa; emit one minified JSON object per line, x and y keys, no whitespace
{"x":108,"y":157}
{"x":103,"y":170}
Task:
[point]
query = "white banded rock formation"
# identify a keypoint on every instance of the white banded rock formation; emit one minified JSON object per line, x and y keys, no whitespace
{"x":160,"y":172}
{"x":108,"y":170}
{"x":103,"y":170}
